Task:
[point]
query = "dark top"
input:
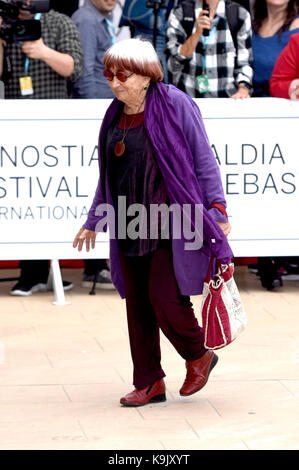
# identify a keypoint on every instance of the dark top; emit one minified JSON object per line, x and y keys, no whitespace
{"x":135,"y":175}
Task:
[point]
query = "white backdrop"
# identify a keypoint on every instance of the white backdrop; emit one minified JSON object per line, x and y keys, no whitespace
{"x":49,"y":172}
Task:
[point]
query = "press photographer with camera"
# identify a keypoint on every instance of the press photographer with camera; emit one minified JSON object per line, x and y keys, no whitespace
{"x":38,"y":55}
{"x":208,"y":48}
{"x":39,"y":67}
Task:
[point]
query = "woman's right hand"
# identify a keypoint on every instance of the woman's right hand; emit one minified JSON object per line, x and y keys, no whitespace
{"x":85,"y":236}
{"x":225,"y":227}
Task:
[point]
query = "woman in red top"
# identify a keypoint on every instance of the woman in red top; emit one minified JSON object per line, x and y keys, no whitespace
{"x":284,"y":82}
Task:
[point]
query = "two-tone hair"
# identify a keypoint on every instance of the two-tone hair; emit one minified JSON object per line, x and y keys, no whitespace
{"x":134,"y":55}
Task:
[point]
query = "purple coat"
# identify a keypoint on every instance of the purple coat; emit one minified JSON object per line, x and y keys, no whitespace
{"x":191,"y":174}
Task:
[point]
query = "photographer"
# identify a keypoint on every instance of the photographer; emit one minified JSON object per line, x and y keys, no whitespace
{"x":41,"y":69}
{"x":212,"y":58}
{"x":51,"y":60}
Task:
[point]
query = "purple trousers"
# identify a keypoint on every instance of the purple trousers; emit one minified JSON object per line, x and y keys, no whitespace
{"x":154,"y":302}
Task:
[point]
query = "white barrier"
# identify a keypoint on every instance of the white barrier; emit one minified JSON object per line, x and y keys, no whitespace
{"x":256,"y":144}
{"x":49,"y":172}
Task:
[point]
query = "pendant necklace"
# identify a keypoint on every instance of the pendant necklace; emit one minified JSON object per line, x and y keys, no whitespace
{"x":120,"y":147}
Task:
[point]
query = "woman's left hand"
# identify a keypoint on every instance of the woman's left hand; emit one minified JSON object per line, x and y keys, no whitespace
{"x":226,"y":227}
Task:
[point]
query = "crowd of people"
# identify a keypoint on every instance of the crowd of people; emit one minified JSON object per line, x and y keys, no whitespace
{"x":218,"y":48}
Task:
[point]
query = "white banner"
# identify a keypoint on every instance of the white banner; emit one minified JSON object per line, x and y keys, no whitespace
{"x":256,"y":145}
{"x":49,"y":172}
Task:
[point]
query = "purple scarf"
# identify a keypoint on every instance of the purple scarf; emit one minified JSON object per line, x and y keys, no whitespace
{"x":175,"y":160}
{"x":176,"y":164}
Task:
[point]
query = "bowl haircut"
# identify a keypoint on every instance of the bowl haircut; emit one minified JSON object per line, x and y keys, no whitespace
{"x":134,"y":55}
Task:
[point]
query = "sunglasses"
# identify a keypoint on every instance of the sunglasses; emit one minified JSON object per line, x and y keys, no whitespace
{"x":121,"y":76}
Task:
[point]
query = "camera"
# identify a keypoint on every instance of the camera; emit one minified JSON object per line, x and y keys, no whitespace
{"x":156,"y":4}
{"x":15,"y":30}
{"x":205,"y":6}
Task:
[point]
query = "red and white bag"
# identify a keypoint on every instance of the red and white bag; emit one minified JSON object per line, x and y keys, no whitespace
{"x":223,"y":315}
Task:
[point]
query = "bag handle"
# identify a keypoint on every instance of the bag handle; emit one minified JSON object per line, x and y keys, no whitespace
{"x":221,"y":208}
{"x":218,"y":265}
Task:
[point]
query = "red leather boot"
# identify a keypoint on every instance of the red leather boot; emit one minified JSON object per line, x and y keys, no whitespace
{"x":198,"y":372}
{"x":151,"y":394}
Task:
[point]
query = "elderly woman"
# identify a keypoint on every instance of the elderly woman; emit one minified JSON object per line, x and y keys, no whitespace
{"x":153,"y":150}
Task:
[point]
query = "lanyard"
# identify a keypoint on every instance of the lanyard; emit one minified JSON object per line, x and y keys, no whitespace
{"x":111,"y":29}
{"x":205,"y":40}
{"x":26,"y":64}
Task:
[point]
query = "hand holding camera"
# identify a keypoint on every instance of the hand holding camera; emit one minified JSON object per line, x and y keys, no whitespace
{"x":203,"y":23}
{"x":35,"y":49}
{"x":206,"y":18}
